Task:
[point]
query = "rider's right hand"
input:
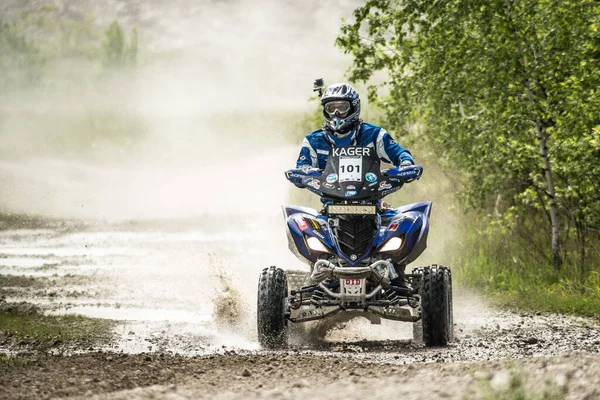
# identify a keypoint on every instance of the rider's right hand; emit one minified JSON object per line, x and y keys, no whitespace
{"x":296,"y":175}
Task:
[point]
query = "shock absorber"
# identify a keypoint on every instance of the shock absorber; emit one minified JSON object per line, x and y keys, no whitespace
{"x":317,"y":297}
{"x":391,"y":296}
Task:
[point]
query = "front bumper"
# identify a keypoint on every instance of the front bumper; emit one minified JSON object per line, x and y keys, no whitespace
{"x":319,"y":300}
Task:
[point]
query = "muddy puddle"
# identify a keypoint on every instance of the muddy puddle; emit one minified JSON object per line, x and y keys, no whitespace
{"x":163,"y":288}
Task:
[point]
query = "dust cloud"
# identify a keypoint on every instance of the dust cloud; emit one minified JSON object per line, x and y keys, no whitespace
{"x":200,"y":130}
{"x":206,"y":122}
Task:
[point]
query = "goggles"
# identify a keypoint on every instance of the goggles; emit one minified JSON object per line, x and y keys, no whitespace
{"x":337,"y":107}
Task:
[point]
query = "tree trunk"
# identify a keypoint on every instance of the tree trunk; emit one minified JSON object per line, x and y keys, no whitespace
{"x":542,"y":138}
{"x":543,"y":147}
{"x":581,"y":236}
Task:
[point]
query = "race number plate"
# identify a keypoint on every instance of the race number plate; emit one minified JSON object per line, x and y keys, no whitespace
{"x":350,"y":169}
{"x":353,"y":289}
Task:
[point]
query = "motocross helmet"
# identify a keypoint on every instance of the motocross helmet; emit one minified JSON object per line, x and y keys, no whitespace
{"x":341,"y":108}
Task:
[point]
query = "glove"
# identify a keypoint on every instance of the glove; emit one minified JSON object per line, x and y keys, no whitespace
{"x":309,"y":170}
{"x":406,"y":163}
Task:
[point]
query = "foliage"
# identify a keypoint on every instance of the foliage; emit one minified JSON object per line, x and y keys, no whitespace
{"x":508,"y":91}
{"x":512,"y":275}
{"x":41,"y":38}
{"x":56,"y":35}
{"x":53,"y":74}
{"x":21,"y":62}
{"x":312,"y":120}
{"x":117,"y":53}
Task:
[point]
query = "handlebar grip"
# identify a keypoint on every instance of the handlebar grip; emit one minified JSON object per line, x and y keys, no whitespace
{"x":295,"y":175}
{"x":410,"y":173}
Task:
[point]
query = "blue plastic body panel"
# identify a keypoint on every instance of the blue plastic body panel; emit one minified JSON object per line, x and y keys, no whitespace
{"x":410,"y":223}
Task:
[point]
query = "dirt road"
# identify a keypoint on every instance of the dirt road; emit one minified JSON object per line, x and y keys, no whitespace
{"x":289,"y":375}
{"x":183,"y":306}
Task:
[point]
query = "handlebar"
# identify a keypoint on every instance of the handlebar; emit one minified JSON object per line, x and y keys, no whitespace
{"x":394,"y":171}
{"x":400,"y":175}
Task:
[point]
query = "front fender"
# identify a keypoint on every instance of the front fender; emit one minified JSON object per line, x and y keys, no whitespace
{"x":411,"y":224}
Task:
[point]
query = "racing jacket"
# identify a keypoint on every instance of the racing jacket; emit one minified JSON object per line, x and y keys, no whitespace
{"x":316,"y":146}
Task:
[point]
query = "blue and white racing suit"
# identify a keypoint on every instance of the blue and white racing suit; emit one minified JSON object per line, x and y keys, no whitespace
{"x":316,"y":147}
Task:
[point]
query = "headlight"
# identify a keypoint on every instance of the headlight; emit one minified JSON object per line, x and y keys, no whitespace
{"x":351,"y":209}
{"x":316,"y":245}
{"x":393,"y":244}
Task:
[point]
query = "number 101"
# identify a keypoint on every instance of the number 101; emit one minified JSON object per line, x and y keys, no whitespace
{"x":350,"y":168}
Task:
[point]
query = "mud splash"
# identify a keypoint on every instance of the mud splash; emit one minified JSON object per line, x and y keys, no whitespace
{"x":228,"y":301}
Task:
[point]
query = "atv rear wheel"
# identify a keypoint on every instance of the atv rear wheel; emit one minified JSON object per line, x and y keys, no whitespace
{"x":271,"y":320}
{"x":436,"y":306}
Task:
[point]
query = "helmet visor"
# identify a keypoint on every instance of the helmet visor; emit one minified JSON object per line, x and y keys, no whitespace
{"x":339,"y":107}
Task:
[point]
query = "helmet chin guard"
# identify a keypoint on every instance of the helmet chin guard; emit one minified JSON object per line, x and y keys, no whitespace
{"x":337,"y":124}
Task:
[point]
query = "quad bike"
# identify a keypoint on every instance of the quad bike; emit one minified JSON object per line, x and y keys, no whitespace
{"x":355,"y":254}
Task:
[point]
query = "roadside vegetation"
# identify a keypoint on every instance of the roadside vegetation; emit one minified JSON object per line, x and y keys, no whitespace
{"x":24,"y":328}
{"x":504,"y":95}
{"x":59,"y":74}
{"x":516,"y":385}
{"x":48,"y":330}
{"x":38,"y":40}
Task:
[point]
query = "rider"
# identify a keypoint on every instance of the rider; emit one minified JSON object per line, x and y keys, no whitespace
{"x":343,"y":127}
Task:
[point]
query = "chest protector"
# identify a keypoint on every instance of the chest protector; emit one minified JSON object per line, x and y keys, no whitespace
{"x":350,"y":172}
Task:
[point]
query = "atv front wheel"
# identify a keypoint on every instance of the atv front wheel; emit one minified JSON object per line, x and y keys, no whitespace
{"x":271,"y":321}
{"x":436,"y":306}
{"x":417,"y":326}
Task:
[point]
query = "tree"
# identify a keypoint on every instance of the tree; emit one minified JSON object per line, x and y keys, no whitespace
{"x":21,"y":62}
{"x":117,"y":53}
{"x":506,"y":88}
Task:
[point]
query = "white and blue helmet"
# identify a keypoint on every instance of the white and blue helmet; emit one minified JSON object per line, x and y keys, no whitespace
{"x":341,"y":108}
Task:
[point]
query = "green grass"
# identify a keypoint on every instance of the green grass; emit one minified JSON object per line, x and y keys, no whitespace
{"x":515,"y":388}
{"x":544,"y":293}
{"x":68,"y":328}
{"x":534,"y":294}
{"x":544,"y":300}
{"x":13,"y":360}
{"x":506,"y":268}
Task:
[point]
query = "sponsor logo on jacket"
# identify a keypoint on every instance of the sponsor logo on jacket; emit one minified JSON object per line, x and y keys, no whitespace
{"x":371,"y":177}
{"x":351,"y":151}
{"x":314,"y":183}
{"x":384,"y":186}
